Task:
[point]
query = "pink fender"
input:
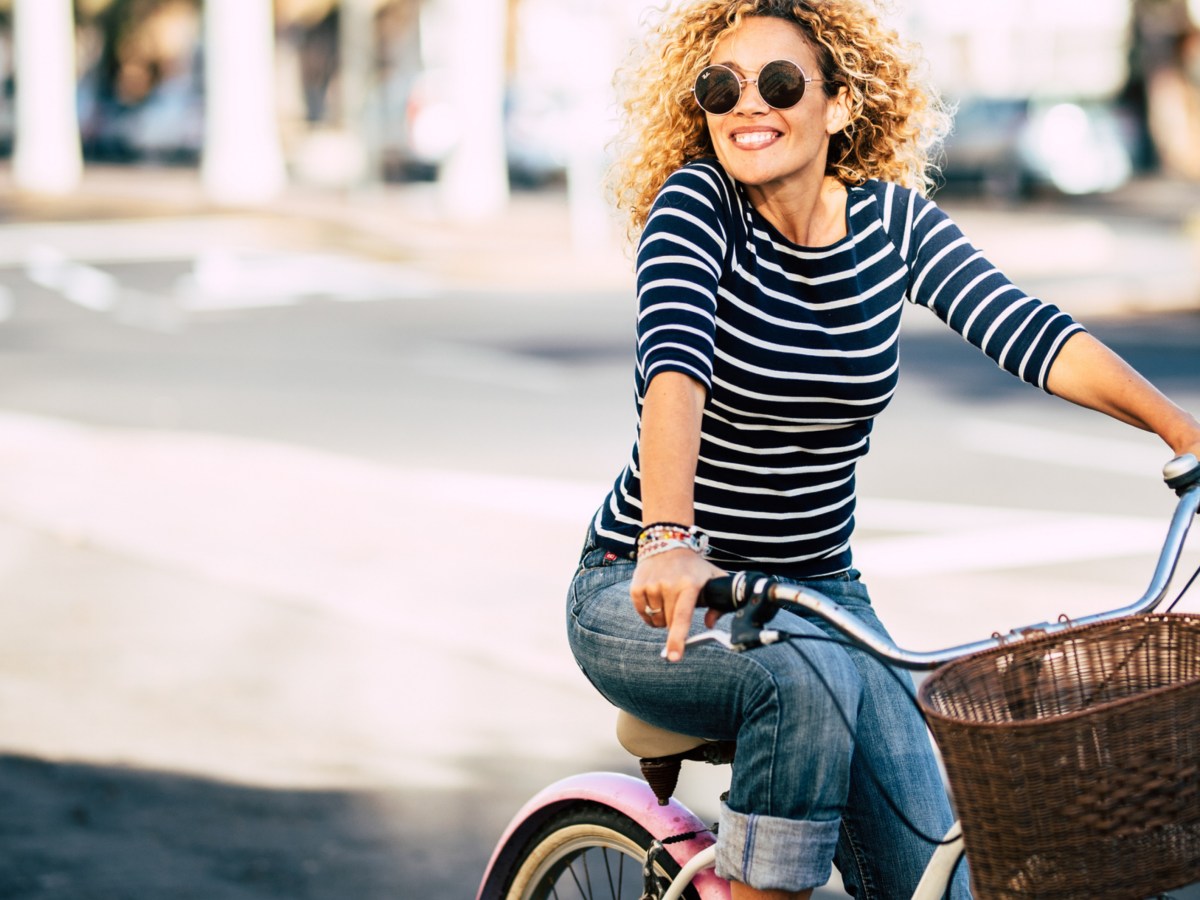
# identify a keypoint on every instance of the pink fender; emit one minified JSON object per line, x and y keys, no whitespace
{"x":630,"y":796}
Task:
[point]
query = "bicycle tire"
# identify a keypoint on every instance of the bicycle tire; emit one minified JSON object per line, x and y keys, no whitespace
{"x":586,"y":851}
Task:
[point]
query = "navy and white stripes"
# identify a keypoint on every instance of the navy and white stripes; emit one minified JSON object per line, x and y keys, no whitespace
{"x":797,"y":348}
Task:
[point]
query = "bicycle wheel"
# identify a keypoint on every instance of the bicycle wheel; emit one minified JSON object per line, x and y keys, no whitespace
{"x":587,"y":852}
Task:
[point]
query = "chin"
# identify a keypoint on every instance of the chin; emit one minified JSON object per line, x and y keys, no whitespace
{"x":748,"y":174}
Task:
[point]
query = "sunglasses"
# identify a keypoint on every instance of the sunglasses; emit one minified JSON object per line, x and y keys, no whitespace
{"x":780,"y":83}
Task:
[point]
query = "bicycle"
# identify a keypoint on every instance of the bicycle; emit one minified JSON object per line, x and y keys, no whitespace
{"x":605,"y":834}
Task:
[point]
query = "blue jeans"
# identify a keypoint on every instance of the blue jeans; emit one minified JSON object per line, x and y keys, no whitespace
{"x":801,"y":795}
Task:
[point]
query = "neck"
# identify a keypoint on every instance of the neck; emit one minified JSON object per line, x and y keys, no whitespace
{"x":811,"y":215}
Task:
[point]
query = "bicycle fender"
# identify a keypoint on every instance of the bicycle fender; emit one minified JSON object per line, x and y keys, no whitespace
{"x":627,"y":795}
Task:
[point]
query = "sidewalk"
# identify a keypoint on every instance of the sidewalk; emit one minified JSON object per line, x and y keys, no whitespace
{"x":1135,"y":251}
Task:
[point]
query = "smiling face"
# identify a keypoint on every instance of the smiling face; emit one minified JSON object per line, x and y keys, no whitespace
{"x":772,"y":149}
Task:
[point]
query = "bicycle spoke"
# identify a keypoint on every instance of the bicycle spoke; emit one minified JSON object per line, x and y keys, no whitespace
{"x":575,"y":878}
{"x":579,"y":871}
{"x":615,"y":891}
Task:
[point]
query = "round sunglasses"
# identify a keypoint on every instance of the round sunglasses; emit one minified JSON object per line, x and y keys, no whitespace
{"x":780,"y":83}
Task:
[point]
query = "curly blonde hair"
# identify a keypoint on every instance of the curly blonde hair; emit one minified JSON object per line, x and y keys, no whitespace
{"x":896,"y":123}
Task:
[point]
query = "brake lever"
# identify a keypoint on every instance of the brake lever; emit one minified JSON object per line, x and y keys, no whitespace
{"x":713,"y":636}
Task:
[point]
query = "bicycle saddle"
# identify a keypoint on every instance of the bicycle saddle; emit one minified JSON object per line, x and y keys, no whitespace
{"x":661,"y":753}
{"x":647,"y":741}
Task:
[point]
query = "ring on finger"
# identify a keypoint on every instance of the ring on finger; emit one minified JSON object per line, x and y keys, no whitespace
{"x":652,"y":612}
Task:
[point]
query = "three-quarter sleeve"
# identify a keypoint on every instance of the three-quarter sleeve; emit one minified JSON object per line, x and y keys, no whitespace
{"x":950,"y":276}
{"x":679,"y":263}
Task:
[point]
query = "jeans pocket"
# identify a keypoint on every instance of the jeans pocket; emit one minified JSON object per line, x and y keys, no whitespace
{"x":598,"y":572}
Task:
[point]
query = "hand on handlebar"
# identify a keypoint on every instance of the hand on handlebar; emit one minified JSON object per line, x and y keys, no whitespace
{"x":664,"y":592}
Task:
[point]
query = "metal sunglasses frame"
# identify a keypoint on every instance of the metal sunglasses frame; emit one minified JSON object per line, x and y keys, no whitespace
{"x":805,"y":80}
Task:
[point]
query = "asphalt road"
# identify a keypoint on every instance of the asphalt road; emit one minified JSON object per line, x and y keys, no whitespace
{"x":283,"y":566}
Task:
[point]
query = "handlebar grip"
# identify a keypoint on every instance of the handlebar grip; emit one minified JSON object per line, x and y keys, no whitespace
{"x":747,"y":596}
{"x":724,"y":594}
{"x":729,"y":593}
{"x":1182,"y":472}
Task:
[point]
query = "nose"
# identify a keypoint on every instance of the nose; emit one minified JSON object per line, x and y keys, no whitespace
{"x":751,"y":99}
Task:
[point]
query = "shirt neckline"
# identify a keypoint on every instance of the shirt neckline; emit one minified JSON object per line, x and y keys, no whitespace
{"x":757,"y":219}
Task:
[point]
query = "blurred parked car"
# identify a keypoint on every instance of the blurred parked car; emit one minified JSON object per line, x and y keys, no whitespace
{"x":539,"y":123}
{"x":420,"y":129}
{"x":167,"y":126}
{"x":1010,"y":147}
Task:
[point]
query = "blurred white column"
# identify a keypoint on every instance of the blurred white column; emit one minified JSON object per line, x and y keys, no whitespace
{"x":473,"y":181}
{"x":243,"y":158}
{"x":593,"y":60}
{"x":47,"y":158}
{"x":356,"y":75}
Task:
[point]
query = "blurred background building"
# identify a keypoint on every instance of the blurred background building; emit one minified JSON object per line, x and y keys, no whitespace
{"x":1080,"y":96}
{"x":485,"y":96}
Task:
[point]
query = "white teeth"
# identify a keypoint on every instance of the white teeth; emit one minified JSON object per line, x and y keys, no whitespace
{"x":754,"y":137}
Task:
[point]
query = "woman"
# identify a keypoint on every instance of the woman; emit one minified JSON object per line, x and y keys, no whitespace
{"x":777,"y":154}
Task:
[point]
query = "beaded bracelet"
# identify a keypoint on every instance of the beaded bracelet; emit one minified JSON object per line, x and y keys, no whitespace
{"x":663,"y":536}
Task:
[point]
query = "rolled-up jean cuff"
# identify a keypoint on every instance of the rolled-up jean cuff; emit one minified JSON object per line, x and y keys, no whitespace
{"x":769,"y":853}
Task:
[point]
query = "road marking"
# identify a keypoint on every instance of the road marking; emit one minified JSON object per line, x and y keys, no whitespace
{"x":222,"y":280}
{"x":82,"y":284}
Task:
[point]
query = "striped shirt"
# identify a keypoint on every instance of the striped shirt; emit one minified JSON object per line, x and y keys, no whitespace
{"x":797,"y":350}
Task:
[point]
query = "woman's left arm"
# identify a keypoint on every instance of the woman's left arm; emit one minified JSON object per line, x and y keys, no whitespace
{"x":1088,"y":373}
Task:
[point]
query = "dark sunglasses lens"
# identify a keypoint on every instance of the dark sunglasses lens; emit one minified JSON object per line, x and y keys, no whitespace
{"x":781,"y":84}
{"x":717,"y":90}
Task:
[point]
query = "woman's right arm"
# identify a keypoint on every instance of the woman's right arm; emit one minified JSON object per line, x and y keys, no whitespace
{"x":680,"y":259}
{"x":668,"y":451}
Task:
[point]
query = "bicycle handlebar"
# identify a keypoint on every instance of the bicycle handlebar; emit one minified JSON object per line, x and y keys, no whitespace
{"x":752,"y":597}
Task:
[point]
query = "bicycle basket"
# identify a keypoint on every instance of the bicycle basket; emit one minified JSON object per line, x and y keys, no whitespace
{"x":1074,"y":759}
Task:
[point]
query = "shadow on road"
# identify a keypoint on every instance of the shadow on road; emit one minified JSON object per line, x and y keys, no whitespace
{"x":85,"y":832}
{"x":90,"y":832}
{"x":109,"y":833}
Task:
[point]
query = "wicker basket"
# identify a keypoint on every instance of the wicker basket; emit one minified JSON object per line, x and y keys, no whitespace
{"x":1074,"y":759}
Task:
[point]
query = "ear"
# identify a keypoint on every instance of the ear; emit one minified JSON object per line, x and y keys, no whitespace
{"x":837,"y":111}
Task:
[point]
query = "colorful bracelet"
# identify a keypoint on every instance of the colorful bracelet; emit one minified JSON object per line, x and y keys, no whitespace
{"x":646,"y":551}
{"x":663,"y":536}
